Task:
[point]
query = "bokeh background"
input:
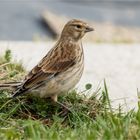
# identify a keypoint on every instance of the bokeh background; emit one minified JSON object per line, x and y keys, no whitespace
{"x":115,"y":20}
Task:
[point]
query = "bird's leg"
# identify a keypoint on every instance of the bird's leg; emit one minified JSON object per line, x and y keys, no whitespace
{"x":54,"y":98}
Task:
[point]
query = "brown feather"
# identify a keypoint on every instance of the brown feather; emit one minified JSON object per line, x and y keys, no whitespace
{"x":48,"y":67}
{"x":65,"y":54}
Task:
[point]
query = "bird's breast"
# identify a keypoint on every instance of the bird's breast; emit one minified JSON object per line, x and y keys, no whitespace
{"x":65,"y":80}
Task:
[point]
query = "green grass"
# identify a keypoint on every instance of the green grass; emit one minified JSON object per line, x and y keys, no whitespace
{"x":32,"y":118}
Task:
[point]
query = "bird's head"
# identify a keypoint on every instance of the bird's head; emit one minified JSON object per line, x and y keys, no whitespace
{"x":76,"y":29}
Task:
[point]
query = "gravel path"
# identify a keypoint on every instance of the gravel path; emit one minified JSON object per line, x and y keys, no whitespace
{"x":118,"y":64}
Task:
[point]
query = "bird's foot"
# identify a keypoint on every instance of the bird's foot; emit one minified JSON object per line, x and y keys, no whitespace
{"x":65,"y":109}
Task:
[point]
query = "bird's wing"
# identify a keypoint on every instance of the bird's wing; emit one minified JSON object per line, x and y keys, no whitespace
{"x":48,"y":68}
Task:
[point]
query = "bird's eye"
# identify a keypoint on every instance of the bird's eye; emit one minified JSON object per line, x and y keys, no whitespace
{"x":78,"y":26}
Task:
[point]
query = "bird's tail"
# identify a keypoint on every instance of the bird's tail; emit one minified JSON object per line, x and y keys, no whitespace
{"x":10,"y":85}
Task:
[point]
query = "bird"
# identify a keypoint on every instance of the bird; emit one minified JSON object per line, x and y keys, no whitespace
{"x":60,"y":69}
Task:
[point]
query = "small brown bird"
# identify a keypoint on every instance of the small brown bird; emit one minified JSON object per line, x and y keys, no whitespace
{"x":61,"y":69}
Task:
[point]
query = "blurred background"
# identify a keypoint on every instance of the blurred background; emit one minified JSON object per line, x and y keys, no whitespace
{"x":115,"y":20}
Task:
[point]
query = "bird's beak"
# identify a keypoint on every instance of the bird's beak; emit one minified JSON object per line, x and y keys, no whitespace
{"x":89,"y":29}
